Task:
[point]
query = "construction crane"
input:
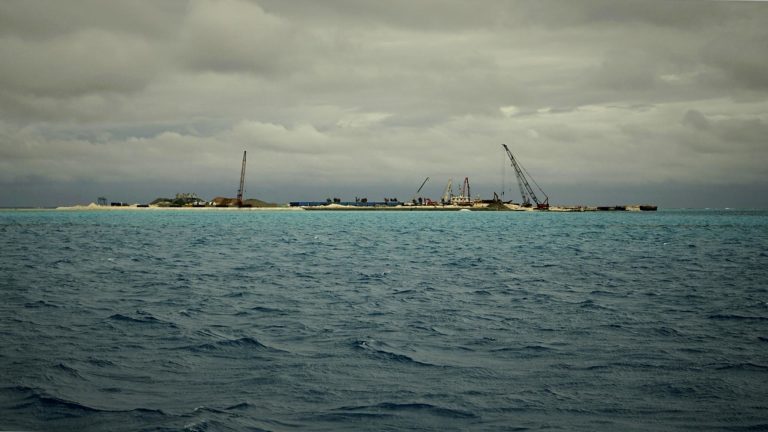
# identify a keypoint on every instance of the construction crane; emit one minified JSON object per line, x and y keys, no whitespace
{"x":465,"y":197}
{"x":448,"y":194}
{"x":242,"y":184}
{"x":525,"y":188}
{"x":465,"y":189}
{"x":413,"y":200}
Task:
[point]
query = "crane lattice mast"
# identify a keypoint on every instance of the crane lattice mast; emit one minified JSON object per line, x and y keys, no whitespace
{"x":525,"y":188}
{"x":448,"y":193}
{"x":242,"y":183}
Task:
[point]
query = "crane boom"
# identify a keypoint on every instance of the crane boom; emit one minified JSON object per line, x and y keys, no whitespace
{"x":525,"y":188}
{"x":420,"y":187}
{"x":448,"y":193}
{"x":242,"y":183}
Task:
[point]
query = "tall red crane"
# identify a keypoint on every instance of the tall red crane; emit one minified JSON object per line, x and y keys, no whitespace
{"x":242,"y":183}
{"x":525,"y":188}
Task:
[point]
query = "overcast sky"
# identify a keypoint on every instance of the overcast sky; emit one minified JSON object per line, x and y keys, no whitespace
{"x":604,"y":102}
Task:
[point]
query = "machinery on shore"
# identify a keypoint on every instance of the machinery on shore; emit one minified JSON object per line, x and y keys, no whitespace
{"x":525,"y":188}
{"x":417,"y":199}
{"x":448,"y":193}
{"x":465,"y":198}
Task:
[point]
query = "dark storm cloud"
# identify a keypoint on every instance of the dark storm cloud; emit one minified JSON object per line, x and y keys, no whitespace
{"x":369,"y":93}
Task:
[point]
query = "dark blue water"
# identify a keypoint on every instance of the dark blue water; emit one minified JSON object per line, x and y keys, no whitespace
{"x":155,"y":320}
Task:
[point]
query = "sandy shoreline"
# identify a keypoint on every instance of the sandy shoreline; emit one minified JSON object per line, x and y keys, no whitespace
{"x":336,"y":207}
{"x":135,"y":207}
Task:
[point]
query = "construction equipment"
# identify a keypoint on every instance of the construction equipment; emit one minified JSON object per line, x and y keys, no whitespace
{"x":241,"y":191}
{"x":465,"y":189}
{"x":465,"y":198}
{"x":525,"y":188}
{"x":448,"y":193}
{"x":413,"y":200}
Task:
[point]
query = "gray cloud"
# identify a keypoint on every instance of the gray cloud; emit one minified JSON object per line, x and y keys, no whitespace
{"x":37,"y":20}
{"x":696,"y":120}
{"x":350,"y":95}
{"x":86,"y":62}
{"x":739,"y":55}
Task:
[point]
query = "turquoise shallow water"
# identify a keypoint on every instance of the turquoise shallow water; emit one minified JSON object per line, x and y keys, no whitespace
{"x":154,"y":320}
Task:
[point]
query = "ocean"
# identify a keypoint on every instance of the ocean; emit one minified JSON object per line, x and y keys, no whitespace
{"x":383,"y":321}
